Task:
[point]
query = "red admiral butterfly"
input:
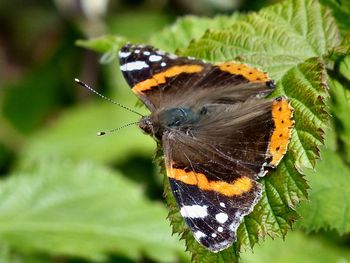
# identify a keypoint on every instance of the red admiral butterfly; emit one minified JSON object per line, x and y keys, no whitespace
{"x":218,"y":132}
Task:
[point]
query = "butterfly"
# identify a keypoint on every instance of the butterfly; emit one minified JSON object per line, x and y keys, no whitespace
{"x":218,"y":131}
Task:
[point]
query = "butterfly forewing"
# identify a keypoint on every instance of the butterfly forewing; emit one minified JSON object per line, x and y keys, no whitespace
{"x":158,"y":78}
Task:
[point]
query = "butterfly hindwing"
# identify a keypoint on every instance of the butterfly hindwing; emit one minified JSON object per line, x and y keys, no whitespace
{"x":212,"y":217}
{"x":213,"y":168}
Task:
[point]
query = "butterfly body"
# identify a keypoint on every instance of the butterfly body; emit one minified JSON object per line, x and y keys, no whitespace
{"x":180,"y":119}
{"x":218,"y":131}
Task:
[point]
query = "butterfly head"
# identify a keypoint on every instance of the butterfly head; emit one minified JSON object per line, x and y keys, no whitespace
{"x":147,"y":125}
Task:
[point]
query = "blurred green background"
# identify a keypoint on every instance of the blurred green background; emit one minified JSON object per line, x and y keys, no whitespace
{"x":67,"y":195}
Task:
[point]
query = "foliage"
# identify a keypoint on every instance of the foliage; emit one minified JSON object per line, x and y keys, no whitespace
{"x":70,"y":194}
{"x":297,"y":248}
{"x":341,"y":12}
{"x":109,"y":45}
{"x":186,"y":29}
{"x":67,"y":210}
{"x":329,"y":202}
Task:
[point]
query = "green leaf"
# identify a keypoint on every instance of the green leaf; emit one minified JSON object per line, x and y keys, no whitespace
{"x":329,"y":198}
{"x":297,"y":248}
{"x":341,"y":12}
{"x":188,"y":28}
{"x":336,"y":56}
{"x":6,"y":255}
{"x":138,"y":24}
{"x":108,"y":44}
{"x":65,"y":208}
{"x":340,"y":90}
{"x":329,"y":201}
{"x":125,"y":27}
{"x":102,"y":44}
{"x":276,"y":39}
{"x":344,"y":69}
{"x":285,"y":39}
{"x":306,"y":87}
{"x":37,"y":89}
{"x":170,"y":38}
{"x":73,"y":134}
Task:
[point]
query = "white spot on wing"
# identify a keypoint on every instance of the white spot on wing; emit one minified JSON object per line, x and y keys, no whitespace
{"x":163,"y":64}
{"x":154,"y":58}
{"x":136,"y":51}
{"x":220,"y":229}
{"x":136,"y":65}
{"x":124,"y":54}
{"x":221,"y":217}
{"x":213,"y":235}
{"x":146,"y":53}
{"x":262,"y":172}
{"x":222,"y":204}
{"x":194,"y":211}
{"x":199,"y":234}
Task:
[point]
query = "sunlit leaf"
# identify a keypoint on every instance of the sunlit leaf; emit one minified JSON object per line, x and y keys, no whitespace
{"x":80,"y":209}
{"x":276,"y":38}
{"x":329,"y":198}
{"x":109,"y":45}
{"x":328,"y":207}
{"x":188,"y":28}
{"x":306,"y":87}
{"x":341,"y":12}
{"x":74,"y":135}
{"x":340,"y":90}
{"x":297,"y":248}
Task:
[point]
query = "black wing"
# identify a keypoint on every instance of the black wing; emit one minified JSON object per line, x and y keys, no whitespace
{"x":159,"y":78}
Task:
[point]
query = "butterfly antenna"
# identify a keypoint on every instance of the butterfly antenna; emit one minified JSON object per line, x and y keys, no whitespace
{"x":105,"y":98}
{"x":101,"y":133}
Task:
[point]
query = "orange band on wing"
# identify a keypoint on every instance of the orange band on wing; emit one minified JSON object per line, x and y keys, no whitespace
{"x":160,"y":78}
{"x":250,"y":73}
{"x":282,"y":114}
{"x":237,"y":187}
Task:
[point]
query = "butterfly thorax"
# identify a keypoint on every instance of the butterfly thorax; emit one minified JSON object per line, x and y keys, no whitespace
{"x":179,"y":118}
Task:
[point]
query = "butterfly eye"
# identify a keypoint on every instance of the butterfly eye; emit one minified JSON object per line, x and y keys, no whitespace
{"x":146,"y":125}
